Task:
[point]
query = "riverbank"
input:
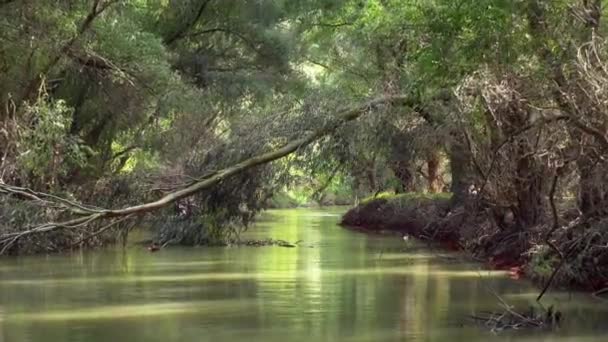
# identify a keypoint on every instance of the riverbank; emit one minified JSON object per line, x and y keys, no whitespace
{"x":524,"y":253}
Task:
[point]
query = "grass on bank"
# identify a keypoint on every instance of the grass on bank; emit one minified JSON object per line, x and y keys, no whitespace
{"x":407,"y":198}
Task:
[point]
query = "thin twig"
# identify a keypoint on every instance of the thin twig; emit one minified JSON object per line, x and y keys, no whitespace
{"x":101,"y":230}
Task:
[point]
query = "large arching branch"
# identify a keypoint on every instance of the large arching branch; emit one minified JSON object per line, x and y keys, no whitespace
{"x":85,"y":215}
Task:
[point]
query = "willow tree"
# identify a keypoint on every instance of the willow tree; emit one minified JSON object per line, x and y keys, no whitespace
{"x":112,"y":91}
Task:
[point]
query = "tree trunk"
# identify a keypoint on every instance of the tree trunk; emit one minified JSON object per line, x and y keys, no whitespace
{"x":529,"y":187}
{"x":460,"y":168}
{"x":433,"y":163}
{"x":401,"y":169}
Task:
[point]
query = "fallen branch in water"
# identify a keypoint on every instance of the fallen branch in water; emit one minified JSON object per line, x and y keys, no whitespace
{"x":268,"y":242}
{"x":598,"y":294}
{"x":510,"y":319}
{"x":88,"y":214}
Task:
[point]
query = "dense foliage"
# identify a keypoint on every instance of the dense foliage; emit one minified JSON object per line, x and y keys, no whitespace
{"x":113,"y":102}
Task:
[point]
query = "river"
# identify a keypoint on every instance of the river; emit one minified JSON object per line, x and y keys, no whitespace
{"x":337,"y":285}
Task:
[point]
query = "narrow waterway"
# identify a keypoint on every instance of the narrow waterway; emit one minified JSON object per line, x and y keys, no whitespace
{"x":337,"y":285}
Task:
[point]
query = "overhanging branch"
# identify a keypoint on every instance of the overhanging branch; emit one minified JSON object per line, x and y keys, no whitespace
{"x":89,"y":215}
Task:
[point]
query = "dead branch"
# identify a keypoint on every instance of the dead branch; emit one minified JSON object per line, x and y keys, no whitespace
{"x":563,"y":259}
{"x":598,"y":294}
{"x":74,"y":207}
{"x":101,"y":230}
{"x":181,"y":31}
{"x":509,"y":318}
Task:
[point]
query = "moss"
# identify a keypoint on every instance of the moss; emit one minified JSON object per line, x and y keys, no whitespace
{"x":407,"y":198}
{"x":407,"y":213}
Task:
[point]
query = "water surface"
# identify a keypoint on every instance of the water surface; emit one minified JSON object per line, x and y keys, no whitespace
{"x":337,"y":285}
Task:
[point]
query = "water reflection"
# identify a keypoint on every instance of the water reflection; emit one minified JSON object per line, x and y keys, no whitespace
{"x":348,"y":287}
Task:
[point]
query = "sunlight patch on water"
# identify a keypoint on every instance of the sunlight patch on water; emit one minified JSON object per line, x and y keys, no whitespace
{"x":189,"y":263}
{"x":146,"y":278}
{"x":556,"y":338}
{"x":416,"y":271}
{"x":322,"y":214}
{"x":213,"y":307}
{"x":533,"y":295}
{"x":405,"y":256}
{"x":265,"y":275}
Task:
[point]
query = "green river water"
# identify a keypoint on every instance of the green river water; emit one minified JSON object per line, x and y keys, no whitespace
{"x":337,"y":285}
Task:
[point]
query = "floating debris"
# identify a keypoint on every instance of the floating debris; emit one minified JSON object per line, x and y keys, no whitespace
{"x":510,"y":319}
{"x":268,"y":242}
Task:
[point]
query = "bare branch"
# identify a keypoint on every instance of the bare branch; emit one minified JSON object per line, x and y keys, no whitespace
{"x":38,"y":196}
{"x":227,"y":31}
{"x":181,"y":32}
